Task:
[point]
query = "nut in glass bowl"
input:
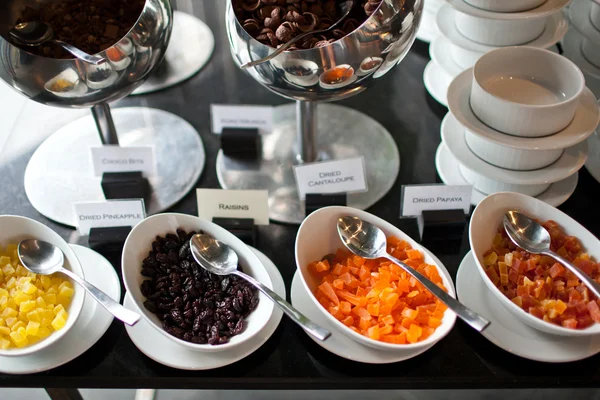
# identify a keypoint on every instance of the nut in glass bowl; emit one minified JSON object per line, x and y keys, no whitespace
{"x":257,"y":27}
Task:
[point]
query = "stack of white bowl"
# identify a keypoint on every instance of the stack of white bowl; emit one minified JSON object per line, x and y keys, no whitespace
{"x":519,"y":121}
{"x":471,"y":28}
{"x":428,"y":29}
{"x":582,"y":44}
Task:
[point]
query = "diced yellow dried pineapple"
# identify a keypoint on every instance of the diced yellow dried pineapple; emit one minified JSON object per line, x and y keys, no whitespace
{"x":18,"y":339}
{"x":32,"y":328}
{"x":27,"y":306}
{"x":58,"y":323}
{"x":4,"y":344}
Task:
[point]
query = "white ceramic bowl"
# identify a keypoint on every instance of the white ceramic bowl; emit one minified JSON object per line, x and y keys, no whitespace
{"x":526,"y":91}
{"x":510,"y":157}
{"x":464,"y":58}
{"x":506,"y":6}
{"x":487,"y":185}
{"x":595,"y":15}
{"x":139,"y":243}
{"x":13,"y":229}
{"x":486,"y":220}
{"x":498,"y":32}
{"x":318,"y":237}
{"x":591,"y":51}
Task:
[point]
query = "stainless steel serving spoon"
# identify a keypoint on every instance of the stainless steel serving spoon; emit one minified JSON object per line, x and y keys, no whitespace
{"x":345,"y":8}
{"x":534,"y":238}
{"x":368,"y":241}
{"x":36,"y":33}
{"x":45,"y":259}
{"x":218,"y":258}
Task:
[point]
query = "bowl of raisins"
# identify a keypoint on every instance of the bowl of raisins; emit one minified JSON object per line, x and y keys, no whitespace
{"x":186,"y":303}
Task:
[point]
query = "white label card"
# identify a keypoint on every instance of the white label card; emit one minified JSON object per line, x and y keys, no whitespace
{"x":123,"y":159}
{"x":241,"y":116}
{"x":104,"y":214}
{"x":418,"y":198}
{"x":340,"y":176}
{"x":253,"y":204}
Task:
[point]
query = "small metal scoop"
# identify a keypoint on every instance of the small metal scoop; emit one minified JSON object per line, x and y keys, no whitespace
{"x":45,"y":259}
{"x":36,"y":33}
{"x":218,"y":258}
{"x":534,"y":238}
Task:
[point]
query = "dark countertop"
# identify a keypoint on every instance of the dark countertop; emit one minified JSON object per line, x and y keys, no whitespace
{"x":290,"y":360}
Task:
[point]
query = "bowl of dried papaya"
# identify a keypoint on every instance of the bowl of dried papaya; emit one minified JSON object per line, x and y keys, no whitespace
{"x":536,"y":289}
{"x":373,"y":302}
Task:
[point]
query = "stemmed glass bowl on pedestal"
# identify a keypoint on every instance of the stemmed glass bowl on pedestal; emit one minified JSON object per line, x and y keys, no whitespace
{"x":60,"y":171}
{"x":312,"y":130}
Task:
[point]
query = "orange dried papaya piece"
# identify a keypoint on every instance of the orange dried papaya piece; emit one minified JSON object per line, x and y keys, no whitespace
{"x":328,"y":291}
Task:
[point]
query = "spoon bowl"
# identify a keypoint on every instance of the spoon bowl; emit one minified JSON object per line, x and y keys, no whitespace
{"x":220,"y":259}
{"x":36,"y":33}
{"x":44,"y":258}
{"x":32,"y":33}
{"x":534,"y":238}
{"x":214,"y":256}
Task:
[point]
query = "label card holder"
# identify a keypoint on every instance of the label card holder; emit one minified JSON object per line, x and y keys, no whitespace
{"x":315,"y":201}
{"x":249,"y":204}
{"x":107,"y":214}
{"x":238,"y":211}
{"x":437,"y":202}
{"x":111,"y":158}
{"x":331,"y":177}
{"x":241,"y":116}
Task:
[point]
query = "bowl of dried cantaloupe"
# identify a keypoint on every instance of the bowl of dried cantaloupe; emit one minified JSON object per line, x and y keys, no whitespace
{"x":373,"y":302}
{"x":35,"y":311}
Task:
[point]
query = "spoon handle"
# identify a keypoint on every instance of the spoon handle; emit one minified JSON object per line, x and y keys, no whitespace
{"x":587,"y":281}
{"x":469,"y":316}
{"x":117,"y":310}
{"x":82,"y":55}
{"x":296,"y":316}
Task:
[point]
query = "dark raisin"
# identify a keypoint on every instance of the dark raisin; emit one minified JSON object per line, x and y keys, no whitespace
{"x":146,"y":288}
{"x":151,"y":306}
{"x":192,"y":303}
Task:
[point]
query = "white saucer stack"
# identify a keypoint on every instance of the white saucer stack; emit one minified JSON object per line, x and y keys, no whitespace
{"x":518,"y":122}
{"x":428,"y":29}
{"x":471,"y":28}
{"x":582,"y":44}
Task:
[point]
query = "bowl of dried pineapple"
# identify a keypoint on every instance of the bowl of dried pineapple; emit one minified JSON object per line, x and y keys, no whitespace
{"x":35,"y":311}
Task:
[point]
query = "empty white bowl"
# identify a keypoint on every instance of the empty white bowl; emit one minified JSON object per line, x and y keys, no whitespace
{"x":13,"y":229}
{"x":506,"y":6}
{"x":526,"y":91}
{"x":139,"y":243}
{"x":486,"y":220}
{"x":510,"y":157}
{"x":595,"y":15}
{"x":318,"y":237}
{"x":499,"y":32}
{"x":487,"y":185}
